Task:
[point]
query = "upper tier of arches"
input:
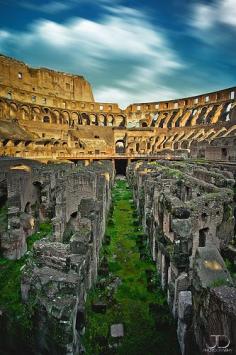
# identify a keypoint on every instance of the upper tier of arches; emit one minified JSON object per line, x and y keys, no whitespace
{"x":202,"y":114}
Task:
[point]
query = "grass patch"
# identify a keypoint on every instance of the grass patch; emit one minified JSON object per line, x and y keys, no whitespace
{"x":16,"y":319}
{"x":130,"y":302}
{"x":231,"y":267}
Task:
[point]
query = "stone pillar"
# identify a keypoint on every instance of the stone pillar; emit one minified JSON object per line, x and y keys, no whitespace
{"x":184,"y":331}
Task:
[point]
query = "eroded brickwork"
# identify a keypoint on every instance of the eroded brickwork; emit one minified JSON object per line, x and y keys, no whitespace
{"x":188,"y":215}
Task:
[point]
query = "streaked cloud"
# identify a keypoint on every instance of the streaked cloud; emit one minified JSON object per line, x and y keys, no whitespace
{"x":48,"y":8}
{"x":122,"y":54}
{"x":217,"y":13}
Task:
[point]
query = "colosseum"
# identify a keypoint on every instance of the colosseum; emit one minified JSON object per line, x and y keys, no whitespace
{"x":117,"y":227}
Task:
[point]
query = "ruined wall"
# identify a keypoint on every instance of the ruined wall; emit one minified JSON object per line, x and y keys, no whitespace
{"x":30,"y":199}
{"x":26,"y":84}
{"x":188,"y":215}
{"x":63,"y":266}
{"x":47,"y":115}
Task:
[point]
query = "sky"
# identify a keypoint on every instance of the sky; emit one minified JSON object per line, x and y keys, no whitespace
{"x":129,"y":50}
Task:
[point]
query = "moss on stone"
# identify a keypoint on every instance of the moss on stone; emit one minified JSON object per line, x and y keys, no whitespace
{"x":129,"y":302}
{"x":17,"y":316}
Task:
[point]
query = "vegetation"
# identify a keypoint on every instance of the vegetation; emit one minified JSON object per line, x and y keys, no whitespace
{"x":231,"y":267}
{"x":15,"y":323}
{"x":131,"y":290}
{"x":219,"y":282}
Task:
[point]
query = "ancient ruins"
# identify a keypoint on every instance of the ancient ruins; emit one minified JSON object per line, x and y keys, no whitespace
{"x":60,"y":154}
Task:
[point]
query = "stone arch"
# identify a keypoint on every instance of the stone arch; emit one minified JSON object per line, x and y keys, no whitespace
{"x":155,"y":119}
{"x":194,"y":143}
{"x":171,"y":119}
{"x":36,"y":113}
{"x":220,"y":133}
{"x":75,"y":118}
{"x":231,"y":131}
{"x":93,"y":120}
{"x":46,"y":110}
{"x":25,"y":112}
{"x":162,"y":120}
{"x":84,"y":119}
{"x":184,"y":144}
{"x":102,"y":120}
{"x":209,"y":134}
{"x":110,"y":120}
{"x":66,"y":117}
{"x":119,"y":121}
{"x":224,"y":115}
{"x":13,"y":110}
{"x":201,"y":118}
{"x":27,"y":208}
{"x":55,"y":116}
{"x":178,"y":121}
{"x":188,"y":121}
{"x":120,"y":146}
{"x":46,"y":119}
{"x":176,"y":145}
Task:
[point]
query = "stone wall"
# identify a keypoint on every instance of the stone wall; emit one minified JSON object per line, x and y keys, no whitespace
{"x":63,"y":267}
{"x":43,"y":115}
{"x":188,"y":216}
{"x":36,"y":85}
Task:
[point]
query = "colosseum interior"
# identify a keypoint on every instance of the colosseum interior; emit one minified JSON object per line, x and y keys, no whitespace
{"x":117,"y":227}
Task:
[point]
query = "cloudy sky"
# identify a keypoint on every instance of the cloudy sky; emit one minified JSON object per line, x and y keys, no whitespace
{"x":129,"y":50}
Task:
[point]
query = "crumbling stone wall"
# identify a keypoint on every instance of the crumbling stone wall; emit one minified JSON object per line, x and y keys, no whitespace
{"x":188,"y":215}
{"x":47,"y":115}
{"x":30,"y":199}
{"x":63,"y":267}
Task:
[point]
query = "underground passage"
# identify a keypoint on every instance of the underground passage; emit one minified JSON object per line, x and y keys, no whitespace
{"x":120,"y":166}
{"x":127,"y":311}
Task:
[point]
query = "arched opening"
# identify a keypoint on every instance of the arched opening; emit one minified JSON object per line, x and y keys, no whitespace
{"x":184,"y":145}
{"x":169,"y":124}
{"x":176,"y":145}
{"x":27,"y":208}
{"x":203,"y":236}
{"x":144,"y":124}
{"x":224,"y":153}
{"x":120,"y":166}
{"x":177,"y":122}
{"x":46,"y":119}
{"x":71,"y":227}
{"x":80,"y":319}
{"x":85,"y":119}
{"x":201,"y":118}
{"x":120,"y":147}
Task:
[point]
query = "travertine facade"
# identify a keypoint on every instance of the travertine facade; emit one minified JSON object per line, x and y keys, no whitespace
{"x":48,"y":115}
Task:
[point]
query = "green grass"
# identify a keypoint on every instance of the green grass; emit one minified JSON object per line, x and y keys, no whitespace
{"x":16,"y":315}
{"x":145,"y":331}
{"x":231,"y":268}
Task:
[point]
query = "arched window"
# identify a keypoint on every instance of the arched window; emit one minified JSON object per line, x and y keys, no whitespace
{"x":120,"y":147}
{"x":46,"y":119}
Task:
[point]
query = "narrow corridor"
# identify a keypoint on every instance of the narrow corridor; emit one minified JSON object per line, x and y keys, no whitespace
{"x":127,"y":291}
